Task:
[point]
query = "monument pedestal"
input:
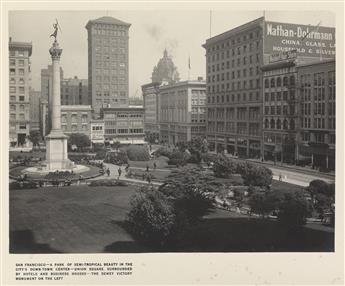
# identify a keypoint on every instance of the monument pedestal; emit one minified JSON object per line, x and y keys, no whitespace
{"x":56,"y":153}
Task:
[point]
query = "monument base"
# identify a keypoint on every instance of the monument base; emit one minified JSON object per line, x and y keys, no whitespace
{"x":56,"y":152}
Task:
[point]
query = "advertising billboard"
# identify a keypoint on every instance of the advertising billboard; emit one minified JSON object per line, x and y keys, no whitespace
{"x":308,"y":41}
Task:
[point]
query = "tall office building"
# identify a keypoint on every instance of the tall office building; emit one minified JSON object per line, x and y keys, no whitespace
{"x":234,"y":99}
{"x":108,"y":63}
{"x":19,"y":77}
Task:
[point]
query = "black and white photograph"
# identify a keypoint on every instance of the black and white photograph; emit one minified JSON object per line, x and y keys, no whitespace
{"x":130,"y":132}
{"x":137,"y":136}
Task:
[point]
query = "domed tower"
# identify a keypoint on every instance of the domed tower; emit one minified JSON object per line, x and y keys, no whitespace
{"x":165,"y":70}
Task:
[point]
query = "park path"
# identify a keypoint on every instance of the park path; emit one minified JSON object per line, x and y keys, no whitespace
{"x":114,"y":175}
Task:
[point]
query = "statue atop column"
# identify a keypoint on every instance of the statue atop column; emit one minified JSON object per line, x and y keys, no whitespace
{"x":56,"y":27}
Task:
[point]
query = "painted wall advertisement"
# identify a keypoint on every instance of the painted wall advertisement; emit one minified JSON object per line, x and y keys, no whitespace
{"x":309,"y":41}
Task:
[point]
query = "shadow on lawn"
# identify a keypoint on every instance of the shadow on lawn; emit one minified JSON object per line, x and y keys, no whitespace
{"x":237,"y":235}
{"x":23,"y":241}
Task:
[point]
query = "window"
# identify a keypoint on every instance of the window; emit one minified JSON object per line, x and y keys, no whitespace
{"x":273,"y":82}
{"x":21,"y":98}
{"x":12,"y":62}
{"x":12,"y":71}
{"x":21,"y":71}
{"x":21,"y":63}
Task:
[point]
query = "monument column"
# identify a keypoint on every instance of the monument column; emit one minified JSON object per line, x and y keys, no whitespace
{"x":56,"y":140}
{"x":55,"y":52}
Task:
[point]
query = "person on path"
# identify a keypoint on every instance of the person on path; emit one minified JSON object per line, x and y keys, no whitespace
{"x":119,"y":171}
{"x":154,"y":165}
{"x":148,"y":177}
{"x":147,"y":168}
{"x":108,"y":172}
{"x":280,"y":177}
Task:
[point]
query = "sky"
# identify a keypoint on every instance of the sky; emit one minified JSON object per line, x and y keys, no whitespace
{"x":182,"y":33}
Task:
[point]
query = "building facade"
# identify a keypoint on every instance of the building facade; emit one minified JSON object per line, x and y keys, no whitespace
{"x":182,"y":111}
{"x":234,"y":98}
{"x":35,"y":97}
{"x":19,"y":87}
{"x":107,"y":63}
{"x":97,"y":131}
{"x":150,"y":94}
{"x":317,"y":138}
{"x":76,"y":119}
{"x":74,"y":91}
{"x":281,"y":105}
{"x":124,"y":124}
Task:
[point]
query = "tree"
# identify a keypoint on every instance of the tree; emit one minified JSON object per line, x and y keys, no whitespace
{"x":264,"y":202}
{"x":137,"y":153}
{"x":151,"y":217}
{"x":192,"y":193}
{"x":253,"y":175}
{"x":223,"y":167}
{"x":322,"y":195}
{"x":79,"y":139}
{"x":116,"y":145}
{"x":294,"y":209}
{"x":35,"y":138}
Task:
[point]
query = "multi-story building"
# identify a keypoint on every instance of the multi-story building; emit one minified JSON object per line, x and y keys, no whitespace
{"x":97,"y":131}
{"x":234,"y":99}
{"x":182,"y":111}
{"x":108,"y":63}
{"x":317,"y":87}
{"x":135,"y":101}
{"x":76,"y":119}
{"x":150,"y":93}
{"x":19,"y":98}
{"x":124,"y":124}
{"x":281,"y":107}
{"x":74,"y":91}
{"x":35,"y":97}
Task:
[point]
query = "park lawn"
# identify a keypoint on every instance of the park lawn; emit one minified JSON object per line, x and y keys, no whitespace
{"x":82,"y":219}
{"x":285,"y":187}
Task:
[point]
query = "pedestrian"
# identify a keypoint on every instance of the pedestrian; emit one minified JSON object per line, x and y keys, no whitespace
{"x":154,"y":165}
{"x":119,"y":171}
{"x":147,"y":168}
{"x":148,"y":177}
{"x":127,"y":168}
{"x":108,"y":172}
{"x":280,"y":177}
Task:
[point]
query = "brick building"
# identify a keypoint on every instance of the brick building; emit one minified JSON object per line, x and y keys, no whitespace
{"x":76,"y":119}
{"x":74,"y":91}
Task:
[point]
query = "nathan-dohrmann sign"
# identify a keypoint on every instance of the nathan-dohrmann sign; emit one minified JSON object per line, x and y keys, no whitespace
{"x":309,"y":41}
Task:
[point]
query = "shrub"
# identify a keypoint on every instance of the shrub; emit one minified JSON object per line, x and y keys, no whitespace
{"x":263,"y":202}
{"x":22,"y":185}
{"x":253,"y":175}
{"x":137,"y":153}
{"x":117,"y":158}
{"x":151,"y":217}
{"x":294,"y":209}
{"x":163,"y":151}
{"x":108,"y":183}
{"x":178,"y":158}
{"x":101,"y":154}
{"x":223,"y":167}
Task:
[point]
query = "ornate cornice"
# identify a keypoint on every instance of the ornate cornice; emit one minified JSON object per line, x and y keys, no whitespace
{"x":55,"y":51}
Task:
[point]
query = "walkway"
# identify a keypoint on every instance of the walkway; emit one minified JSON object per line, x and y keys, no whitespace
{"x":114,"y":175}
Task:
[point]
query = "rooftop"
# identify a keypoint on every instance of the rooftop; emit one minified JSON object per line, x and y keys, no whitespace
{"x":107,"y":20}
{"x":76,"y":107}
{"x":20,"y":45}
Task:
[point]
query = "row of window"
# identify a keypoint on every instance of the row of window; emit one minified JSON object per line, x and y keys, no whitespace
{"x":216,"y":88}
{"x":233,"y":98}
{"x":278,"y":82}
{"x":232,"y":127}
{"x":279,"y":96}
{"x":280,"y":110}
{"x":14,"y":71}
{"x":238,"y":51}
{"x":280,"y":124}
{"x":21,"y":98}
{"x":13,"y":107}
{"x":124,"y":131}
{"x":231,"y":42}
{"x":19,"y":62}
{"x":20,"y":117}
{"x":239,"y":62}
{"x":226,"y":76}
{"x":229,"y":113}
{"x":17,"y":53}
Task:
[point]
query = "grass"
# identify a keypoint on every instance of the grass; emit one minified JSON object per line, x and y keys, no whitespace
{"x":34,"y":153}
{"x":82,"y":219}
{"x":162,"y":163}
